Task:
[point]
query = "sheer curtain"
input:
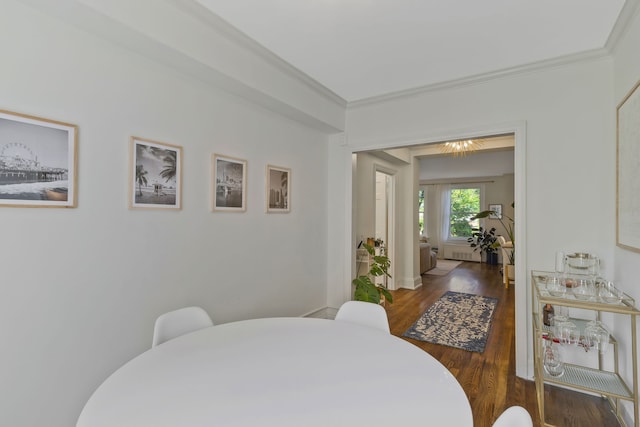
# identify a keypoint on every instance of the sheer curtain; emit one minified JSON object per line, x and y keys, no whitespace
{"x":445,"y":203}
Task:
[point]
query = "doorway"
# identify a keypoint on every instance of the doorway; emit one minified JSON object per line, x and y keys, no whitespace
{"x":428,"y":142}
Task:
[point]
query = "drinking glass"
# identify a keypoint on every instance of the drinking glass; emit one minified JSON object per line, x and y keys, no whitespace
{"x":597,"y":336}
{"x":552,"y":361}
{"x":567,"y":333}
{"x":555,"y":286}
{"x":608,"y":292}
{"x":584,"y":288}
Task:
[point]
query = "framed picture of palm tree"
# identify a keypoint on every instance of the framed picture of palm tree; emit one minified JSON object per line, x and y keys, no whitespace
{"x":278,"y":195}
{"x":155,"y":175}
{"x":228,"y":184}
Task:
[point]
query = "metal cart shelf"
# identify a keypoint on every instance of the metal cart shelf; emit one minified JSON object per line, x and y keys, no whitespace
{"x":607,"y":383}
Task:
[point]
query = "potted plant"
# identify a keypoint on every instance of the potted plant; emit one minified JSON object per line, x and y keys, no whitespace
{"x":485,"y":240}
{"x":365,"y":287}
{"x":509,"y":228}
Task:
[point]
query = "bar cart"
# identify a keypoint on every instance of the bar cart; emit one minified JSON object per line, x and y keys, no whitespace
{"x":604,"y":382}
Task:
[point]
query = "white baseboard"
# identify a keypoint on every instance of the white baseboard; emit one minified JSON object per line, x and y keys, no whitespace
{"x":410,"y":283}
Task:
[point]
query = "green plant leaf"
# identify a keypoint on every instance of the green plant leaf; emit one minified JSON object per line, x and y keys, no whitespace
{"x":483,"y":214}
{"x":370,"y":249}
{"x":365,"y":288}
{"x":478,"y":238}
{"x":386,"y":294}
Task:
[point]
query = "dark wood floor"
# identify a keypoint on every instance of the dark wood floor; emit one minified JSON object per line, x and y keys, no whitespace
{"x":489,"y":378}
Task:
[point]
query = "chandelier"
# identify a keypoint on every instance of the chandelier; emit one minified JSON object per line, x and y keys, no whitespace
{"x":460,"y":148}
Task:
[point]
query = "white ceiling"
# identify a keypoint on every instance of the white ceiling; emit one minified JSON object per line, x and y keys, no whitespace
{"x":365,"y":48}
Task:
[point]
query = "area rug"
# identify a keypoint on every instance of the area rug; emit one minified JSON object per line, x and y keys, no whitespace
{"x":443,"y":267}
{"x":456,"y":320}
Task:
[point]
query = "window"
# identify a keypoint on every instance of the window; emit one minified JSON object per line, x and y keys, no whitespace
{"x":421,"y":212}
{"x":464,"y":202}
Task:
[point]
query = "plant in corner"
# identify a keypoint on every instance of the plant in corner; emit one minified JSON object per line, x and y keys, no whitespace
{"x":365,"y":287}
{"x":484,"y":240}
{"x":508,"y":227}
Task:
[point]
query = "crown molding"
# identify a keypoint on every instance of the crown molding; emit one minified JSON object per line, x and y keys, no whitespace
{"x":590,"y":55}
{"x":322,"y":110}
{"x":209,"y":18}
{"x":628,"y":12}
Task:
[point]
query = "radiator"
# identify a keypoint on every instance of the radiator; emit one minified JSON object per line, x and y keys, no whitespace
{"x":461,"y":252}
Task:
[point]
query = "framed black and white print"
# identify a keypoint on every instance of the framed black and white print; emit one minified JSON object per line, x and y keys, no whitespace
{"x":497,"y":211}
{"x":229,"y":184}
{"x":278,"y":194}
{"x":38,"y":162}
{"x":155,"y":175}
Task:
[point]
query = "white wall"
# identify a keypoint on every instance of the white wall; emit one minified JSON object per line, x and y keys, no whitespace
{"x":81,"y":288}
{"x":570,"y":147}
{"x":500,"y":191}
{"x":626,"y":271}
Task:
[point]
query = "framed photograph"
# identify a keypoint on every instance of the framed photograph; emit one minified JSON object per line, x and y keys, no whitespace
{"x":628,"y":171}
{"x":155,"y":175}
{"x":278,"y":189}
{"x":229,"y":184}
{"x":498,"y":211}
{"x":38,"y":162}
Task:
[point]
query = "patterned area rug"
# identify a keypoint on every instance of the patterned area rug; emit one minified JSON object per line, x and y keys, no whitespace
{"x":457,"y":320}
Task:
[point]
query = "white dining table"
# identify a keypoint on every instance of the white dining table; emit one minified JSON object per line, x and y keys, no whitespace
{"x":280,"y":372}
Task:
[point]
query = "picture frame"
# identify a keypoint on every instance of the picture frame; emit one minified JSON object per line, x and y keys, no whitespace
{"x":627,"y":174}
{"x":228,"y":184}
{"x":497,"y":208}
{"x":155,"y":175}
{"x":38,"y":162}
{"x":278,"y":189}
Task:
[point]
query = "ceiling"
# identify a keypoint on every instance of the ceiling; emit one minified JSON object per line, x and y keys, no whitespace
{"x":365,"y":48}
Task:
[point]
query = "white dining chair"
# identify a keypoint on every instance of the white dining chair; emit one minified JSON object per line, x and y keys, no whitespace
{"x":364,"y":313}
{"x":515,"y":416}
{"x":179,"y":322}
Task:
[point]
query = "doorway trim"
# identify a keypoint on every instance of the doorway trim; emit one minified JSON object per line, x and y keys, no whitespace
{"x":524,"y":334}
{"x":390,"y":194}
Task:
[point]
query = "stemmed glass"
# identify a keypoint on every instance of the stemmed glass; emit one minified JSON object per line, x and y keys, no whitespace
{"x":567,"y":332}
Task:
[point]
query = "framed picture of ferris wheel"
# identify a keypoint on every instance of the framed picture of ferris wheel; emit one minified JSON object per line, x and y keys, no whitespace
{"x":38,"y":162}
